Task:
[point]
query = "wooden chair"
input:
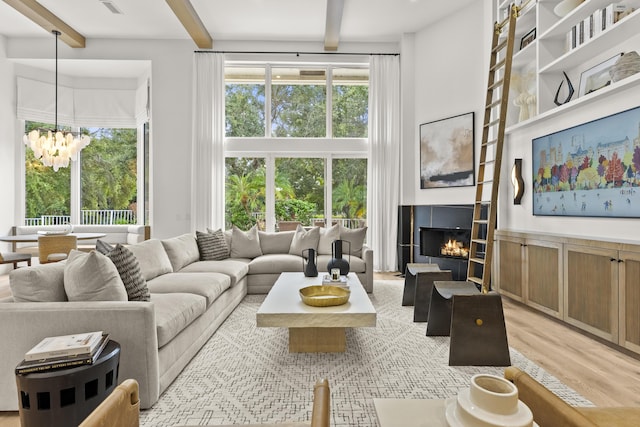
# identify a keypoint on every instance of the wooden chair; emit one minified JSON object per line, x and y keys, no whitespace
{"x":288,"y":225}
{"x":14,"y":258}
{"x":550,"y":410}
{"x":121,"y":408}
{"x":55,"y":248}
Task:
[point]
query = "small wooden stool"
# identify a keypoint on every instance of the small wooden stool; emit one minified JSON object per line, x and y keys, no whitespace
{"x":410,"y":277}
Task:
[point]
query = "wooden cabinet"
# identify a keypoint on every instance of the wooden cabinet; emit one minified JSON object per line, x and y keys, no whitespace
{"x":591,"y":284}
{"x":542,"y":62}
{"x":530,"y":270}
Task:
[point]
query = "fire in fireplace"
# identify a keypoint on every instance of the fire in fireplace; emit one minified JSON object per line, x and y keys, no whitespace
{"x":445,"y":242}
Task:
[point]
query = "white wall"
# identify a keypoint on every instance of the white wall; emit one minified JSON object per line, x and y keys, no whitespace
{"x":447,"y":78}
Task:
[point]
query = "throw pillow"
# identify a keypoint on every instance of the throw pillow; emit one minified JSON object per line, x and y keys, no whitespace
{"x":92,"y":277}
{"x":354,"y":235}
{"x":245,"y":245}
{"x":152,"y":257}
{"x":212,"y":246}
{"x":40,"y":283}
{"x":103,"y":247}
{"x":304,"y":239}
{"x":129,"y":270}
{"x":327,"y":236}
{"x":181,"y":250}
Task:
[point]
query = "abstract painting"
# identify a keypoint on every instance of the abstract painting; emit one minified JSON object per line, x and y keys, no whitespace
{"x":446,"y":152}
{"x":592,"y":169}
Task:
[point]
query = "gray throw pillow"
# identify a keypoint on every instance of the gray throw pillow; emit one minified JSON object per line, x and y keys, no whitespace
{"x":92,"y":277}
{"x":327,"y":236}
{"x":356,"y":237}
{"x":245,"y":245}
{"x":304,"y":239}
{"x":129,"y":270}
{"x":103,"y":247}
{"x":212,"y":246}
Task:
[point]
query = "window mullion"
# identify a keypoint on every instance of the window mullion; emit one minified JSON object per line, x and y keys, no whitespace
{"x":270,"y":190}
{"x":329,"y":98}
{"x":267,"y":101}
{"x":328,"y":189}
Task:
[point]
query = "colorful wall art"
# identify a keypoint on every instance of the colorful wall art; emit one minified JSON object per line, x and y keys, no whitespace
{"x":592,"y":169}
{"x":446,"y":152}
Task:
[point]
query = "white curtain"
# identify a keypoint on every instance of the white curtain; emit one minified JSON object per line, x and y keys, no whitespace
{"x":384,"y":160}
{"x":207,"y":164}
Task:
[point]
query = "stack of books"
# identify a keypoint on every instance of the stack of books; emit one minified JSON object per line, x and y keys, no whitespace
{"x":67,"y":351}
{"x":342,"y":281}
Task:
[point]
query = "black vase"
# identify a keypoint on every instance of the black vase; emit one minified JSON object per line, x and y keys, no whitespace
{"x":311,"y":267}
{"x":336,"y":260}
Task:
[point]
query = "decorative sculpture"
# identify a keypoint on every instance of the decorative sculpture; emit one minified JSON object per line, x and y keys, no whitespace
{"x":336,"y":260}
{"x":571,"y":91}
{"x":310,"y":269}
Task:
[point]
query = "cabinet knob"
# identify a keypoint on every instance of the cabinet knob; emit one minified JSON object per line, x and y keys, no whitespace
{"x":612,"y":259}
{"x":620,"y":260}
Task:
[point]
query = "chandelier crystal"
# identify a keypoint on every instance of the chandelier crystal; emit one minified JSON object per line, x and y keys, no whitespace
{"x":53,"y":147}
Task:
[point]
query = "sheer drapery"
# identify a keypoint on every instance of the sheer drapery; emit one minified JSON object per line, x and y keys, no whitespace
{"x":384,"y":159}
{"x":207,"y":171}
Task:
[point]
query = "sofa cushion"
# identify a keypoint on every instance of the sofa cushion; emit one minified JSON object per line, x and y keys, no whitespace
{"x":327,"y":236}
{"x":304,"y":239}
{"x":236,"y":269}
{"x":208,"y":285}
{"x":129,"y":270}
{"x":275,"y":263}
{"x":182,"y":250}
{"x":276,"y":243}
{"x":39,"y":283}
{"x":92,"y":277}
{"x":174,"y":312}
{"x":212,"y":246}
{"x":245,"y":244}
{"x":152,"y":257}
{"x":354,"y":235}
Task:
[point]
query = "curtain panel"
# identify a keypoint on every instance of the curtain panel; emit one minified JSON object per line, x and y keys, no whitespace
{"x":82,"y":107}
{"x":384,"y":160}
{"x":208,"y":166}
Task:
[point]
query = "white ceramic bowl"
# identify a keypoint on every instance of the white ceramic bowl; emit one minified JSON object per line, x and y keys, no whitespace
{"x":563,"y":8}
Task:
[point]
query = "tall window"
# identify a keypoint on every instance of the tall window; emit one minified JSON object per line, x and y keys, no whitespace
{"x":300,"y":131}
{"x":108,"y":182}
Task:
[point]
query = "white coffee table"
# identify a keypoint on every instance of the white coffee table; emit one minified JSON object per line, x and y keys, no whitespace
{"x":314,"y":329}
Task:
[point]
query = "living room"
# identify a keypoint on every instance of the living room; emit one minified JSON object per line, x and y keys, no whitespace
{"x":443,"y":74}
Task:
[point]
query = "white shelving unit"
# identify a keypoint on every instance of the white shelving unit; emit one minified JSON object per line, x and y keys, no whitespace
{"x":548,"y":57}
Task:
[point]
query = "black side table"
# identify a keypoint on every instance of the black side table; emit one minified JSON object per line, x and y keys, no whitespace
{"x":410,"y":278}
{"x":65,"y":397}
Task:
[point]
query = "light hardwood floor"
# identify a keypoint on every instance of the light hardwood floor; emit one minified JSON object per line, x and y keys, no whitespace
{"x":604,"y":375}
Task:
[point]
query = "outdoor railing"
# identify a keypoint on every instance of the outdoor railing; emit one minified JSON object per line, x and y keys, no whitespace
{"x":88,"y":216}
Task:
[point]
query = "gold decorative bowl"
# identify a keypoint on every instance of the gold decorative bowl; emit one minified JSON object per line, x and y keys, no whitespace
{"x":324,"y":296}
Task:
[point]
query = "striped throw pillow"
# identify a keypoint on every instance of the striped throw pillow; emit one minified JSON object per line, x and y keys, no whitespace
{"x":129,"y":270}
{"x":212,"y":246}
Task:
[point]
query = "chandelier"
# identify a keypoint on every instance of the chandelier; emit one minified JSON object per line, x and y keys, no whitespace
{"x":54,"y":148}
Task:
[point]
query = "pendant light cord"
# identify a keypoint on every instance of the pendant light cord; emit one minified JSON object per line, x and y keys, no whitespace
{"x":55,"y":129}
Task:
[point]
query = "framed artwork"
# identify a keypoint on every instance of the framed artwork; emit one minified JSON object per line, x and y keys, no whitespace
{"x":446,"y":152}
{"x":597,"y":77}
{"x":592,"y":169}
{"x":527,"y":38}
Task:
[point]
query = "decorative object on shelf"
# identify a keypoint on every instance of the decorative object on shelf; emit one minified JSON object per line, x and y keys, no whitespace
{"x":489,"y":401}
{"x":589,"y":169}
{"x":527,"y":38}
{"x":324,"y":296}
{"x":446,"y":152}
{"x":310,"y":267}
{"x":55,"y":148}
{"x":517,"y":181}
{"x":597,"y":77}
{"x":625,"y":66}
{"x":336,"y":260}
{"x":569,"y":88}
{"x":563,"y":8}
{"x":520,"y":84}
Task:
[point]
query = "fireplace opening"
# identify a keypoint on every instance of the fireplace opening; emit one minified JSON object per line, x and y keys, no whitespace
{"x":445,"y":242}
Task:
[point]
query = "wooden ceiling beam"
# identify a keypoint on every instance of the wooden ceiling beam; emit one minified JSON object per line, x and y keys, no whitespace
{"x":334,"y":20}
{"x":47,"y":20}
{"x":183,"y":9}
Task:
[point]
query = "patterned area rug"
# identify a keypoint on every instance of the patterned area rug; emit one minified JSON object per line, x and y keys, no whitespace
{"x":246,"y":375}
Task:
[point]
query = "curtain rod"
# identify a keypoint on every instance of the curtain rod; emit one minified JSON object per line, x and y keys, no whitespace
{"x":296,"y":53}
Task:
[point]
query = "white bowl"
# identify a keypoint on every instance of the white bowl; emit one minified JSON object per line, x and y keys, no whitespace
{"x":563,"y":8}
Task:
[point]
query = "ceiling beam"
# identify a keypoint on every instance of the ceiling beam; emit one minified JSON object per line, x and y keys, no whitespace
{"x":334,"y":20}
{"x":47,"y":20}
{"x":190,"y":20}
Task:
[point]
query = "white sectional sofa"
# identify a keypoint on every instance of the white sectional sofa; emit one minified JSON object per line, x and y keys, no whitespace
{"x":189,"y":300}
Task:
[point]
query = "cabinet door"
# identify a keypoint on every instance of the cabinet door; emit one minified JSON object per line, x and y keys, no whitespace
{"x":510,"y":277}
{"x":629,"y":270}
{"x":544,"y":276}
{"x":591,"y":290}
